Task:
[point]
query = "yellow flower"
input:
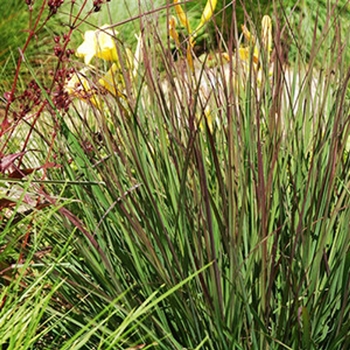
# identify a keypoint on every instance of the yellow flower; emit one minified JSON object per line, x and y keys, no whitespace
{"x":244,"y":52}
{"x":266,"y":35}
{"x":207,"y":12}
{"x":99,"y":43}
{"x":113,"y":81}
{"x":80,"y":87}
{"x":172,"y":30}
{"x":109,"y":81}
{"x":265,"y":44}
{"x":208,"y":116}
{"x":182,"y":16}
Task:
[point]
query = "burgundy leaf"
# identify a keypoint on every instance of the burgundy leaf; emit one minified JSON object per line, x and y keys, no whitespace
{"x":7,"y":161}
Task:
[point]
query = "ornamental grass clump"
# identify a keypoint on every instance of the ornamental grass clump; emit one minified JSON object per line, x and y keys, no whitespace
{"x":188,"y":202}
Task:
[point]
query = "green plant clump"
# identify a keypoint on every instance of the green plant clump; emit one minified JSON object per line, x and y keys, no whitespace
{"x":153,"y":199}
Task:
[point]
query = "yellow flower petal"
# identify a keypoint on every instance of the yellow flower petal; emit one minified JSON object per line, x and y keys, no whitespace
{"x":172,"y":30}
{"x":87,"y":49}
{"x":106,"y":48}
{"x":208,"y":116}
{"x":110,"y":80}
{"x":99,"y":43}
{"x":243,"y":53}
{"x":248,"y":37}
{"x":207,"y":12}
{"x":182,"y":16}
{"x":266,"y":34}
{"x":113,"y":81}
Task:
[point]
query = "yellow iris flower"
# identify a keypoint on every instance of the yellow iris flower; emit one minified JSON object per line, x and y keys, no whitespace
{"x":101,"y":44}
{"x":98,"y":43}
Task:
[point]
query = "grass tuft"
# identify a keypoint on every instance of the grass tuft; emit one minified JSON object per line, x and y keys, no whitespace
{"x":189,"y":201}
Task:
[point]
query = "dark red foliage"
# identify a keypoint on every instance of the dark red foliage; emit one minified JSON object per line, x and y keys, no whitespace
{"x":97,"y":4}
{"x":7,"y":162}
{"x":31,"y":97}
{"x":54,"y":5}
